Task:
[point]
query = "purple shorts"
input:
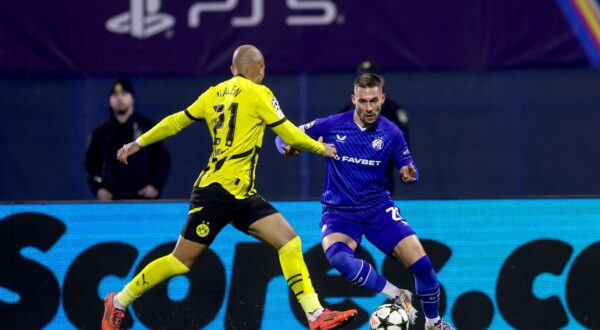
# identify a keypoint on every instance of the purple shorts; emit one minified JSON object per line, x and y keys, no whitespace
{"x":384,"y":227}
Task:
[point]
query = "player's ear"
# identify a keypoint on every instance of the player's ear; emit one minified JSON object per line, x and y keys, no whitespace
{"x":382,"y":98}
{"x":262,"y":67}
{"x":232,"y":70}
{"x":353,"y":98}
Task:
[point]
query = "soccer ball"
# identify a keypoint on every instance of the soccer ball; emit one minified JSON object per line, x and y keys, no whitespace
{"x":389,"y":317}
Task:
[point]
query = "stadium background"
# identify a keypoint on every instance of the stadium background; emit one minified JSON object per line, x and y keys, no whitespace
{"x":503,"y":103}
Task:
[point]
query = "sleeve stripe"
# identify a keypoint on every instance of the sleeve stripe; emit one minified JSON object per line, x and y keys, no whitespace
{"x":187,"y":113}
{"x":277,"y":123}
{"x":242,"y":155}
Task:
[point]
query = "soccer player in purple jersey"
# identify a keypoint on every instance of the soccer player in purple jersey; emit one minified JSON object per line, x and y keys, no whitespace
{"x":356,"y":201}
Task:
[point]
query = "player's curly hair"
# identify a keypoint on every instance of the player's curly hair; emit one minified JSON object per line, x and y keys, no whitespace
{"x":366,"y":80}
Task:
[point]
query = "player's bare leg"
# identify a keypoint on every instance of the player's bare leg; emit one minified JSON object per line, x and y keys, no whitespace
{"x":277,"y":232}
{"x":409,"y":250}
{"x":333,"y":238}
{"x":188,"y":252}
{"x":273,"y":230}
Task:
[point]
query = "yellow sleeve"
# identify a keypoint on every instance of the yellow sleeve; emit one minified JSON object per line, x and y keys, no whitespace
{"x":174,"y":123}
{"x":296,"y":138}
{"x":269,"y":111}
{"x":198,"y":109}
{"x":169,"y":126}
{"x":267,"y":106}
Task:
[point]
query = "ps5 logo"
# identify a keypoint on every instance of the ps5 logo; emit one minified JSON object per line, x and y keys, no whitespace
{"x":328,"y":9}
{"x":143,"y":20}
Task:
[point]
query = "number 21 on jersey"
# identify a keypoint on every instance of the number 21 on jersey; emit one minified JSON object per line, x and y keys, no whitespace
{"x":219,"y":124}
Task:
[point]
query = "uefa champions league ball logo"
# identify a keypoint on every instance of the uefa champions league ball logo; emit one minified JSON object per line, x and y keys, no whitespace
{"x":378,"y":143}
{"x":307,"y":125}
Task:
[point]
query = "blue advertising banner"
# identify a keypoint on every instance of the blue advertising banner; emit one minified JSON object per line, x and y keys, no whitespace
{"x":524,"y":264}
{"x":198,"y":36}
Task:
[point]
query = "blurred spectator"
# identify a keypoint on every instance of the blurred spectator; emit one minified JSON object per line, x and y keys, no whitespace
{"x":146,"y":174}
{"x":391,"y":109}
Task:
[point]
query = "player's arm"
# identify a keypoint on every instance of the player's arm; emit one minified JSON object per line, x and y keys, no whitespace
{"x":403,"y":160}
{"x":287,"y":150}
{"x":167,"y":127}
{"x":284,"y":148}
{"x":314,"y":129}
{"x":297,"y":139}
{"x":268,"y":109}
{"x":409,"y":173}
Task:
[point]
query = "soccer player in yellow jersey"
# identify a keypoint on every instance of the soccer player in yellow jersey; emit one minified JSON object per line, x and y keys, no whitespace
{"x":236,"y":112}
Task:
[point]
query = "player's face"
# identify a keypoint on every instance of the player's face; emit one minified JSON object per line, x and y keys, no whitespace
{"x":368,"y":102}
{"x":121,"y":102}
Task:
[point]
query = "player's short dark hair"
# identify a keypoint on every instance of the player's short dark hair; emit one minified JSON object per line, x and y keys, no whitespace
{"x":366,"y":80}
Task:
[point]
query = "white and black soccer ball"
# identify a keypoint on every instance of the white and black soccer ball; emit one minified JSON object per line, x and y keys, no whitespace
{"x":389,"y":317}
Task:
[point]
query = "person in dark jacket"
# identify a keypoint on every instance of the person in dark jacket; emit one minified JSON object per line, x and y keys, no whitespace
{"x":109,"y":179}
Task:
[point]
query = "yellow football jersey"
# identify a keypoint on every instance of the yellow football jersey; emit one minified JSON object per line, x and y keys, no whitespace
{"x":236,"y":112}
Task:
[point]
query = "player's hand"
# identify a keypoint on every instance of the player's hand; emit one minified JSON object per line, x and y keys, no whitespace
{"x":104,"y":195}
{"x":330,"y":151}
{"x":127,"y":150}
{"x":289,"y":151}
{"x":148,"y":192}
{"x":408,"y":173}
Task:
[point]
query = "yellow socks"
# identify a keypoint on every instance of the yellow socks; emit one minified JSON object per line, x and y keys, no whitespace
{"x":290,"y":258}
{"x":153,"y":274}
{"x":296,"y":275}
